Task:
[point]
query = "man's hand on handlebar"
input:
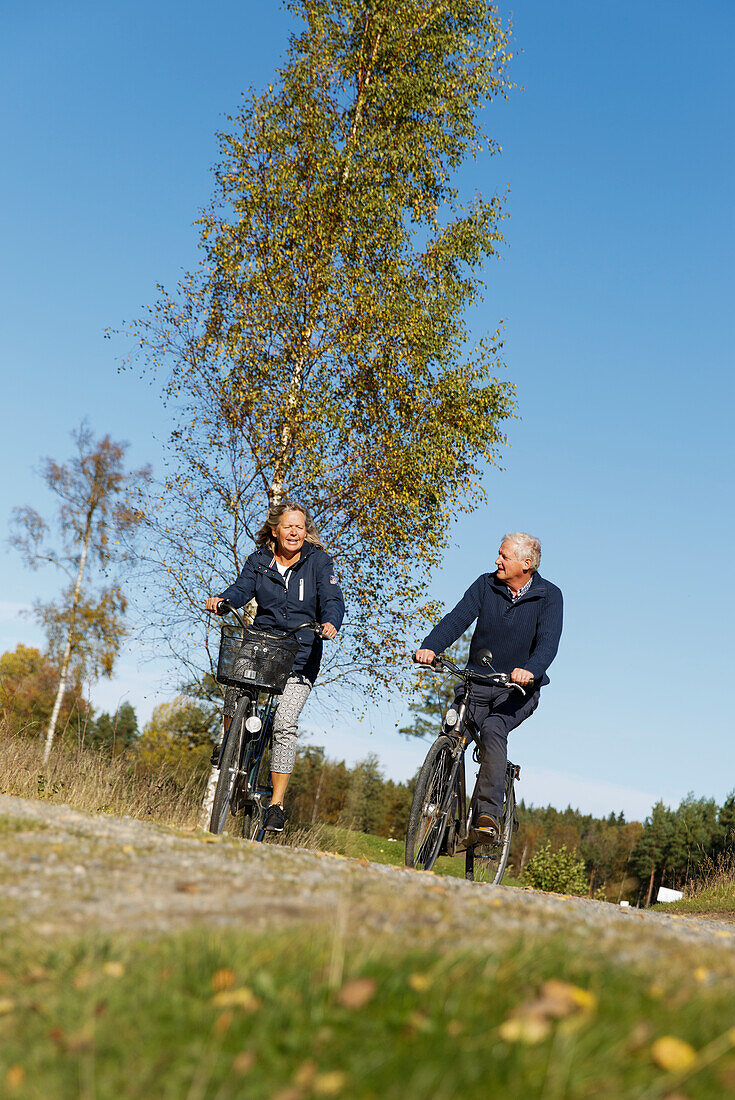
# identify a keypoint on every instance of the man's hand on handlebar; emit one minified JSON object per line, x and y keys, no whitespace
{"x":329,"y":631}
{"x":213,"y":603}
{"x":521,"y":676}
{"x":424,"y":656}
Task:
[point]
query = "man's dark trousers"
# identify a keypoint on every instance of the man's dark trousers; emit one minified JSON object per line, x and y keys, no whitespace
{"x":496,"y":710}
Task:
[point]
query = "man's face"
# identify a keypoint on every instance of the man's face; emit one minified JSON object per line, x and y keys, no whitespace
{"x":509,"y":567}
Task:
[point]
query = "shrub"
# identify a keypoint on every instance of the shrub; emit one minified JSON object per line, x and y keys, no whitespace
{"x":561,"y":872}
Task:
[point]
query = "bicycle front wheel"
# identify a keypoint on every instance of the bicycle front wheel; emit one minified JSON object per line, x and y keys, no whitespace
{"x":432,"y":803}
{"x":229,"y":769}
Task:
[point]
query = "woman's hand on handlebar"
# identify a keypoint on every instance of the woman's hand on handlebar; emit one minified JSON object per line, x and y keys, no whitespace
{"x":213,"y":603}
{"x":329,"y":631}
{"x":424,"y":656}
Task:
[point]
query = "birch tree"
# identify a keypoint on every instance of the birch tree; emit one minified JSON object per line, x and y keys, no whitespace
{"x":320,"y":349}
{"x":87,"y":539}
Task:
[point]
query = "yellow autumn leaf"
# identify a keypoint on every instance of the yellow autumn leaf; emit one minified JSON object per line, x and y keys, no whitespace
{"x":673,"y":1054}
{"x":113,"y":969}
{"x":224,"y":978}
{"x":568,"y":997}
{"x":15,"y":1076}
{"x":242,"y":997}
{"x":419,"y":982}
{"x":6,"y":1005}
{"x":525,"y":1029}
{"x":329,"y":1084}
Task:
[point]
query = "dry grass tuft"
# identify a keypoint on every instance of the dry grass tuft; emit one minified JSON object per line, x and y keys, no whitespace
{"x":88,"y":780}
{"x":715,"y":877}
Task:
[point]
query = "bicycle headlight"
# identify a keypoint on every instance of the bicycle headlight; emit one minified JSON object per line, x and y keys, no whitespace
{"x":253,"y":724}
{"x":451,"y":718}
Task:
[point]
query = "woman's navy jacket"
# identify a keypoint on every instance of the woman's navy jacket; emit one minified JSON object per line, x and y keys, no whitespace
{"x":522,"y":633}
{"x":313,"y":593}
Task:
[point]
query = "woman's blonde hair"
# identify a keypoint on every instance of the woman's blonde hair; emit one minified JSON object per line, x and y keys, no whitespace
{"x":266,"y":536}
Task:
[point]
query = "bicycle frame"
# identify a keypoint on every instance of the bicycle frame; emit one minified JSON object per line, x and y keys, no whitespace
{"x":450,"y":824}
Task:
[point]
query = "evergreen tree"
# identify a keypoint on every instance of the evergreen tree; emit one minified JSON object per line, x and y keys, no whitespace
{"x":114,"y":734}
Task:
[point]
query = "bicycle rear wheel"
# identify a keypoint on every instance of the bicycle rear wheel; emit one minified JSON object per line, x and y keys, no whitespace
{"x":432,"y":804}
{"x":229,"y":769}
{"x":487,"y":862}
{"x":252,"y":820}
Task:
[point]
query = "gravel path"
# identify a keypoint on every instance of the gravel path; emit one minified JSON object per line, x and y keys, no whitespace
{"x":67,"y":872}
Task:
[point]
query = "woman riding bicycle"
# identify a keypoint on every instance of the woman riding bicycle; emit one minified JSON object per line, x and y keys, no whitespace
{"x":292,"y":578}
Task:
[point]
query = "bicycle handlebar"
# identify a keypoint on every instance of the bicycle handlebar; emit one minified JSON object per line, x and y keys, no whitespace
{"x":442,"y":663}
{"x":224,"y":606}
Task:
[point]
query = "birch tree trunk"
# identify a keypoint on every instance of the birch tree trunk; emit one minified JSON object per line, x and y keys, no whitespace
{"x":66,"y":660}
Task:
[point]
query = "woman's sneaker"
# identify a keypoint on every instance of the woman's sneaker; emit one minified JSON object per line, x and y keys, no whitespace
{"x":275,"y":819}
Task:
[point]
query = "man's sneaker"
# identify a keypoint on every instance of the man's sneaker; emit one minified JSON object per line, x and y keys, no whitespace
{"x":275,"y":819}
{"x":487,"y":824}
{"x":214,"y":758}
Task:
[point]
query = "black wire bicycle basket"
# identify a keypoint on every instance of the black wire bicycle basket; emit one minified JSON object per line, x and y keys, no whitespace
{"x":255,"y":658}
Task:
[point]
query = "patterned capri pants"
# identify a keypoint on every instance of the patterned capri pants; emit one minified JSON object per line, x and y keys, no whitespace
{"x":285,"y":720}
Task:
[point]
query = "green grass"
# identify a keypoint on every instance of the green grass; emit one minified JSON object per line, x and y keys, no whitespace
{"x":10,"y":824}
{"x":140,"y":1020}
{"x":377,"y":849}
{"x":708,"y":901}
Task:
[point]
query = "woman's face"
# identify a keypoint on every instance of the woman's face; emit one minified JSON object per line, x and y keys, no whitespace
{"x":291,"y":532}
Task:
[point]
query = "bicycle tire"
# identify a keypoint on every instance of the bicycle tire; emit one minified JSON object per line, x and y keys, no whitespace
{"x":487,"y":862}
{"x":229,"y":767}
{"x":427,"y":820}
{"x":252,"y":819}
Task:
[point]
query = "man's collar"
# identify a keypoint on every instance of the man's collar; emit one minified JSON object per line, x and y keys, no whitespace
{"x":535,"y":586}
{"x":521,"y":591}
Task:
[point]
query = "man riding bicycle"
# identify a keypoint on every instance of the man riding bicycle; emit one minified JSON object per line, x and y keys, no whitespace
{"x":519,"y":619}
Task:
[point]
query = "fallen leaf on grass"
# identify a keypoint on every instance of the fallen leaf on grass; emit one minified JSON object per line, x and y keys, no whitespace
{"x":673,"y":1054}
{"x":364,"y":861}
{"x":419,"y":982}
{"x":15,"y":1076}
{"x":530,"y":1022}
{"x":524,"y":1029}
{"x":243,"y":998}
{"x":113,"y":969}
{"x":187,"y":887}
{"x":357,"y":993}
{"x":701,"y":974}
{"x":561,"y":998}
{"x":81,"y":1040}
{"x":7,"y":1004}
{"x":329,"y":1084}
{"x":418,"y":1021}
{"x":82,"y":980}
{"x":38,"y":974}
{"x":639,"y":1037}
{"x":305,"y":1074}
{"x":224,"y":978}
{"x":243,"y":1062}
{"x":222,"y":1024}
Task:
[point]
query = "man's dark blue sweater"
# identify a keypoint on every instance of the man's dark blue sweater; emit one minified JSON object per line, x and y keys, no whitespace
{"x":521,"y":633}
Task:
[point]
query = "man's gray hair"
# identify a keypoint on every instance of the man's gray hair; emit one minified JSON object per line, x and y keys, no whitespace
{"x":526,"y":546}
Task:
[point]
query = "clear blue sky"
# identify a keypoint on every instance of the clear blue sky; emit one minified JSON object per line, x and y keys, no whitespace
{"x":616,"y":291}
